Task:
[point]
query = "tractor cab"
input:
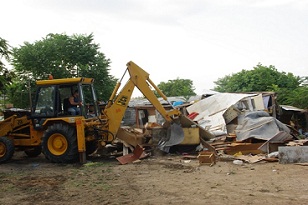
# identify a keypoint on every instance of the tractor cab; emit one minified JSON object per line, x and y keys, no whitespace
{"x":52,"y":99}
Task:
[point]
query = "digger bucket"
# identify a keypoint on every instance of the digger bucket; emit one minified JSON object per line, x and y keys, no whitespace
{"x":175,"y":136}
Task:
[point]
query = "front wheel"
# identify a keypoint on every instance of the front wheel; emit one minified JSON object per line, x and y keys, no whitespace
{"x":59,"y":143}
{"x":6,"y":149}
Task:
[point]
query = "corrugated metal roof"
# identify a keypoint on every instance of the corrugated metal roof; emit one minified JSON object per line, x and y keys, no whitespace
{"x":291,"y":108}
{"x":211,"y":109}
{"x":142,"y":102}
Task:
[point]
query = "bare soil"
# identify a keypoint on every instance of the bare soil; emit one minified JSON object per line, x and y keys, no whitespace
{"x":154,"y":180}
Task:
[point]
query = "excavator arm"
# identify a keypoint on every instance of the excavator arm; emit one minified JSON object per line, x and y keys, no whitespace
{"x":117,"y":104}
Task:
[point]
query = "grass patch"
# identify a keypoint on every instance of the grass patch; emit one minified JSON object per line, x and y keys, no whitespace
{"x":96,"y":164}
{"x":7,"y":187}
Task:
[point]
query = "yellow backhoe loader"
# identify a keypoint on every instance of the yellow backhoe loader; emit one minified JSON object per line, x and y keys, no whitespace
{"x":64,"y":137}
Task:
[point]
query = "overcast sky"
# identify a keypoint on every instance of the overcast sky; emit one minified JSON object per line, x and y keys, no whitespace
{"x":201,"y":40}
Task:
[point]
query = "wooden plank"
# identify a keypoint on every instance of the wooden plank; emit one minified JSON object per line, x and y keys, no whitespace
{"x":244,"y":148}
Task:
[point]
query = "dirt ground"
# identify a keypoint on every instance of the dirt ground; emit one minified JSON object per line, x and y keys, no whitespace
{"x":154,"y":180}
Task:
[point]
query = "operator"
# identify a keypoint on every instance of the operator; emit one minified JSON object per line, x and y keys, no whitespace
{"x":74,"y":104}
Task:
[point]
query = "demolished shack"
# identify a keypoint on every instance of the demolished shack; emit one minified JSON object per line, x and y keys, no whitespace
{"x":152,"y":127}
{"x":229,"y":123}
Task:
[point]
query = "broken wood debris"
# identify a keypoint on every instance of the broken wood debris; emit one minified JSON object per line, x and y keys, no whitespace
{"x":207,"y":157}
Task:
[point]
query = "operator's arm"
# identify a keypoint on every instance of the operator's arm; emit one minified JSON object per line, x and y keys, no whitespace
{"x":72,"y":102}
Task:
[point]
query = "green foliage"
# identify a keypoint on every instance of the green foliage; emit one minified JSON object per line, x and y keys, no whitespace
{"x":19,"y":92}
{"x":177,"y":87}
{"x":63,"y":56}
{"x":291,"y":90}
{"x":4,"y":51}
{"x":298,"y":97}
{"x":104,"y":82}
{"x":261,"y":78}
{"x":6,"y":76}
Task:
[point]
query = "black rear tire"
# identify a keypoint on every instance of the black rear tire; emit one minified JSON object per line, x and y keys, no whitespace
{"x":59,"y":143}
{"x":7,"y":149}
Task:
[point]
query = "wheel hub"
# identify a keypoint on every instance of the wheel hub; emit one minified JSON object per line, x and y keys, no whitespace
{"x":57,"y":144}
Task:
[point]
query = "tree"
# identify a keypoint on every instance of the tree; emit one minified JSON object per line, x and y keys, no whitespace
{"x":18,"y":93}
{"x":5,"y":74}
{"x":290,"y":89}
{"x":177,"y":87}
{"x":63,"y":56}
{"x":299,"y":96}
{"x":261,"y":78}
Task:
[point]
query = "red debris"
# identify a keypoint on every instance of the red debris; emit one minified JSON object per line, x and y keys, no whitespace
{"x":192,"y":115}
{"x":137,"y":154}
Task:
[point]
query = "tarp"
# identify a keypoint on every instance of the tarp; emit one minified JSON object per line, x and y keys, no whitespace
{"x":259,"y":125}
{"x":281,"y":137}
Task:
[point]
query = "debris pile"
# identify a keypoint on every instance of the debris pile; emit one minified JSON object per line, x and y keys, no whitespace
{"x":228,"y":126}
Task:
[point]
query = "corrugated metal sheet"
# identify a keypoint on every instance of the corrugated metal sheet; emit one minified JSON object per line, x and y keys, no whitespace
{"x":291,"y":108}
{"x":211,"y":109}
{"x":141,"y":102}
